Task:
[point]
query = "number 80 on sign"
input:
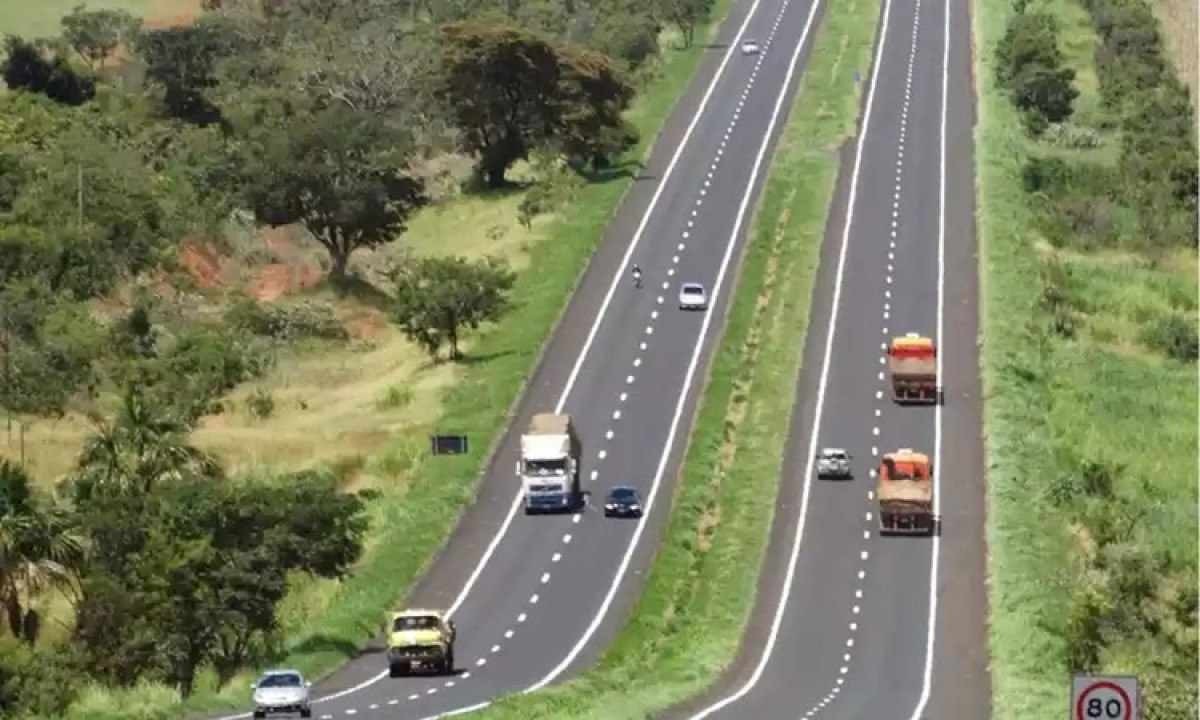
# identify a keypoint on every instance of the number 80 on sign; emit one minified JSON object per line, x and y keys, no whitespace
{"x":1104,"y":697}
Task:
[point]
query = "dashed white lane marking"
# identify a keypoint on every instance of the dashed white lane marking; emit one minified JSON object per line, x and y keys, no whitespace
{"x":643,"y":346}
{"x":495,"y":648}
{"x":856,"y":609}
{"x":431,"y":691}
{"x":576,"y":518}
{"x":567,"y":538}
{"x":862,"y":574}
{"x":481,"y":662}
{"x":545,"y":578}
{"x":671,"y":272}
{"x":450,"y":683}
{"x":628,"y":379}
{"x":522,"y":617}
{"x":373,"y":706}
{"x":875,"y":431}
{"x":394,"y":701}
{"x":465,"y":675}
{"x":608,"y":434}
{"x":414,"y":696}
{"x":595,"y":474}
{"x":602,"y":454}
{"x":863,"y":555}
{"x":649,"y":330}
{"x":623,"y":396}
{"x":533,"y":599}
{"x":351,"y":711}
{"x":661,"y":299}
{"x":556,"y":557}
{"x":508,"y":634}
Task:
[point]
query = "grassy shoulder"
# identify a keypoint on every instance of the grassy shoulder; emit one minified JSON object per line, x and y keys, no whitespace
{"x":1091,"y":434}
{"x":689,"y":620}
{"x":421,"y":498}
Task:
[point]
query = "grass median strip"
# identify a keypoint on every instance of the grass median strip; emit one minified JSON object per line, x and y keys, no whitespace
{"x":412,"y":521}
{"x":688,"y":623}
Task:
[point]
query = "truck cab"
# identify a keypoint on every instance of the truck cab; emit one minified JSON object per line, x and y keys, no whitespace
{"x":912,"y":362}
{"x":905,"y":493}
{"x":420,"y":639}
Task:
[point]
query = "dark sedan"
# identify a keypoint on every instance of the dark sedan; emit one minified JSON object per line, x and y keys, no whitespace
{"x":623,"y":501}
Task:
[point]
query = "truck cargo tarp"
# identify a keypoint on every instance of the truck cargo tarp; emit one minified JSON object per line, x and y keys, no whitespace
{"x":908,"y":491}
{"x":912,"y":366}
{"x":549,"y":424}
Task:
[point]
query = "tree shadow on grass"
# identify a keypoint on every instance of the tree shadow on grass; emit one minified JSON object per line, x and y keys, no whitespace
{"x":358,"y":288}
{"x":469,"y":360}
{"x":319,"y":644}
{"x":616,"y":171}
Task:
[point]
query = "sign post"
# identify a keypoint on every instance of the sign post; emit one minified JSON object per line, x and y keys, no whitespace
{"x":1105,"y":697}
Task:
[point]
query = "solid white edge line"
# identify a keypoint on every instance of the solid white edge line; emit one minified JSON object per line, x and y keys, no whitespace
{"x":587,"y":345}
{"x":786,"y":591}
{"x":935,"y":555}
{"x":731,"y":245}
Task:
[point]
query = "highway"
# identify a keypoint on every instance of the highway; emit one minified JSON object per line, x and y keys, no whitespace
{"x":536,"y":599}
{"x":848,"y":624}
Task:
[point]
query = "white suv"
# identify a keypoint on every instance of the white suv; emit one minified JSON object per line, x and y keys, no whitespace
{"x":692,"y":297}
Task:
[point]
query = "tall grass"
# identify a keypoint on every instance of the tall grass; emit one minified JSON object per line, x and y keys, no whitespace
{"x":412,"y":520}
{"x":1067,"y":409}
{"x":686,"y":626}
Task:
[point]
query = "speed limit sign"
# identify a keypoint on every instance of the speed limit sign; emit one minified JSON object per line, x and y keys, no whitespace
{"x":1104,"y":697}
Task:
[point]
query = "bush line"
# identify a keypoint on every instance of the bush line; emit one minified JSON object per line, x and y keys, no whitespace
{"x":687,"y":625}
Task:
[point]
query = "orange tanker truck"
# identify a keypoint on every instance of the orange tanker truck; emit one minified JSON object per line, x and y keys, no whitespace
{"x":905,"y":493}
{"x":912,"y":362}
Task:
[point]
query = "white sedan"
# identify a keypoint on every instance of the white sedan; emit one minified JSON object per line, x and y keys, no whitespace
{"x":692,"y":297}
{"x":750,"y":47}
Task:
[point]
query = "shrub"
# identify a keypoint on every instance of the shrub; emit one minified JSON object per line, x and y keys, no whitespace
{"x":284,"y":322}
{"x":396,"y":397}
{"x":1045,"y":92}
{"x":1029,"y":39}
{"x":1175,"y":335}
{"x":1071,"y":136}
{"x":261,"y":404}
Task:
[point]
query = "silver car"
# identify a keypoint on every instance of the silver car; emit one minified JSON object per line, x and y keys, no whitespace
{"x":281,"y":692}
{"x":692,"y":297}
{"x":833,"y":462}
{"x":750,"y":47}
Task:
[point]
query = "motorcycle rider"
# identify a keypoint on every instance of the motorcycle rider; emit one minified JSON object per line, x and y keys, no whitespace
{"x":637,"y":275}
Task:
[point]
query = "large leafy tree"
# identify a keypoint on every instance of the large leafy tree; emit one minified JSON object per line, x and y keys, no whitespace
{"x":194,"y":572}
{"x":510,"y":92}
{"x":439,"y":296}
{"x":183,"y":61}
{"x":340,"y":174}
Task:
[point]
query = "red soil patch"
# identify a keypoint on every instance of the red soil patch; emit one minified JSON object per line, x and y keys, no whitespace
{"x":277,"y":279}
{"x":172,"y":13}
{"x":202,"y":263}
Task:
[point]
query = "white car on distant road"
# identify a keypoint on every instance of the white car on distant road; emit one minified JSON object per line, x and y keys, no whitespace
{"x":692,"y":297}
{"x":750,"y":47}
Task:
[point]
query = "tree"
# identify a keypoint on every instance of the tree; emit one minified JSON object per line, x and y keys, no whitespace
{"x":594,"y":98}
{"x":685,"y":15}
{"x":183,"y":60}
{"x":205,"y":569}
{"x":510,"y":92}
{"x":1030,"y":38}
{"x":339,"y":174}
{"x":436,"y":297}
{"x":501,"y":85}
{"x":38,"y":549}
{"x":1044,"y":93}
{"x":143,"y":447}
{"x":27,"y":68}
{"x":94,"y":34}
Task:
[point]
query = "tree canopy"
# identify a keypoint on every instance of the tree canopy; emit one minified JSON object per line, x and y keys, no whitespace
{"x":341,"y":175}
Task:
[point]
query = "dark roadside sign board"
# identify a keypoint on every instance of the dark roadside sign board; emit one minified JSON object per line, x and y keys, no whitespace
{"x":1105,"y":697}
{"x":448,"y":444}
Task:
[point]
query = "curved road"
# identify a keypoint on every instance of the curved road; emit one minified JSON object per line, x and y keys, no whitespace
{"x":536,"y":598}
{"x":848,"y":624}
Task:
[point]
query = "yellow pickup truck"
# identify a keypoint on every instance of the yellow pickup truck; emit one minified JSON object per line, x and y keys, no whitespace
{"x":420,"y":640}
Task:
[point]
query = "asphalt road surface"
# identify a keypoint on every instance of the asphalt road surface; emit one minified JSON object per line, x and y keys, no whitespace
{"x":848,"y":624}
{"x":537,"y":598}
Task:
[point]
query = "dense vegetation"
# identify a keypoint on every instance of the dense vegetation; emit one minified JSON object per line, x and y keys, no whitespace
{"x":1091,"y":368}
{"x":314,"y":114}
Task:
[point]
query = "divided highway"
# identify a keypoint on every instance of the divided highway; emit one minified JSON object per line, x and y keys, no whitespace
{"x":536,"y":599}
{"x":848,"y":624}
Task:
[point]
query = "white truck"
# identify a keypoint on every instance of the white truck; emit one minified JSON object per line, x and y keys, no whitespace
{"x":549,"y":464}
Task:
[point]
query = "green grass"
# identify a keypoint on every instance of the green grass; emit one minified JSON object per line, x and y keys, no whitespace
{"x":687,"y":625}
{"x":412,"y":520}
{"x":1053,"y":403}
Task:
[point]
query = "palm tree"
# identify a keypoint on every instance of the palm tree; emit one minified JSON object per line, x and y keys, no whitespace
{"x":39,"y":549}
{"x":142,"y":447}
